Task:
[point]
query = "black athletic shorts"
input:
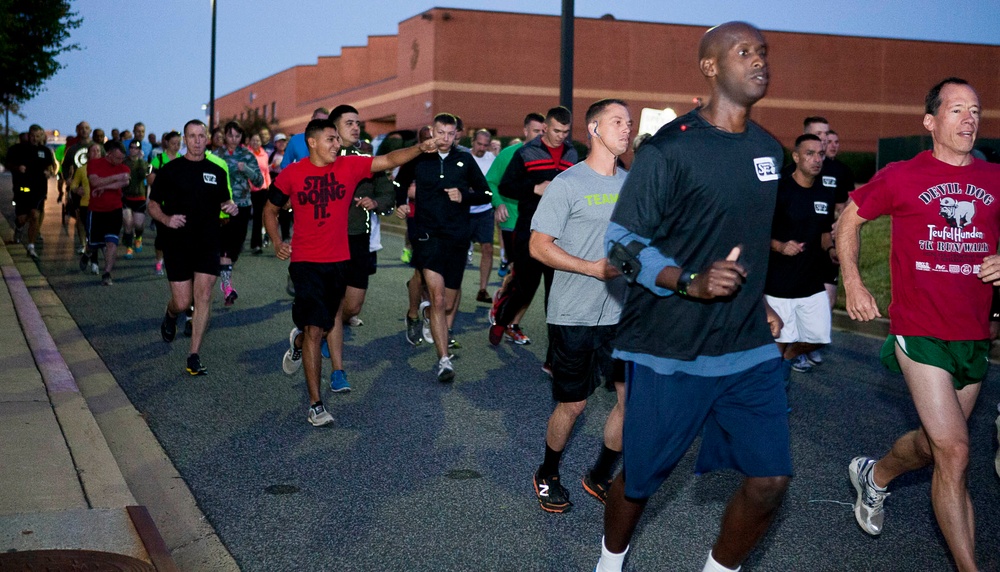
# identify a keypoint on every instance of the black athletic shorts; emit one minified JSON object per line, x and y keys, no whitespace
{"x":319,"y":289}
{"x":104,"y":227}
{"x":183,"y":260}
{"x":137,"y":206}
{"x":580,"y":356}
{"x":446,"y":256}
{"x":362,"y":262}
{"x":24,"y":203}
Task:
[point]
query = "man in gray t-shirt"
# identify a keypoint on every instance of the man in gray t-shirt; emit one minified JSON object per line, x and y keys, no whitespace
{"x":567,"y":234}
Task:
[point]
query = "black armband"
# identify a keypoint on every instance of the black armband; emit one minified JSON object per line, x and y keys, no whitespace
{"x":626,"y":259}
{"x":276,"y":197}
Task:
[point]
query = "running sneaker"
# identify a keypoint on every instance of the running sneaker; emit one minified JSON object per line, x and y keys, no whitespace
{"x":138,"y":244}
{"x":815,"y":357}
{"x":84,"y":262}
{"x":406,"y":256}
{"x":422,"y":311}
{"x":801,"y":364}
{"x":257,"y":251}
{"x":338,"y":382}
{"x":414,"y":335}
{"x":547,"y":368}
{"x":514,"y":334}
{"x":231,"y":297}
{"x":552,"y":496}
{"x":355,"y":322}
{"x":504,"y":268}
{"x":106,"y":279}
{"x":293,"y":355}
{"x":445,"y":371}
{"x":129,"y":253}
{"x":168,"y":328}
{"x":469,"y":258}
{"x":868,"y":509}
{"x":453,"y":344}
{"x":194,"y":366}
{"x":31,"y":252}
{"x":484,"y":297}
{"x":324,"y":349}
{"x":158,"y":268}
{"x":496,"y":334}
{"x":596,"y":489}
{"x":94,"y":269}
{"x":188,"y":325}
{"x":319,"y":416}
{"x":82,"y":250}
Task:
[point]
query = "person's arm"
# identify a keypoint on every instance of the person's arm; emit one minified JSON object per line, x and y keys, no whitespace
{"x":516,"y":184}
{"x":478,"y":190}
{"x":251,"y":168}
{"x":98,"y":184}
{"x":276,"y":199}
{"x":860,"y":302}
{"x":788,"y":248}
{"x":544,"y":249}
{"x":383,"y":193}
{"x":826,"y":242}
{"x":400,"y":157}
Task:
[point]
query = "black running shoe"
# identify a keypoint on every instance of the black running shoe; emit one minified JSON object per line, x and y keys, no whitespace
{"x":194,"y":366}
{"x":168,"y":328}
{"x":84,"y":262}
{"x":596,"y":489}
{"x":188,"y":326}
{"x":552,"y":496}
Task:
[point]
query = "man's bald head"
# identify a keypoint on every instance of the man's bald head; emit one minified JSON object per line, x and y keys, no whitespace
{"x":718,"y":39}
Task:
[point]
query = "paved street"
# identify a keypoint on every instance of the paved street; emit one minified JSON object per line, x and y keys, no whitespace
{"x":415,"y":475}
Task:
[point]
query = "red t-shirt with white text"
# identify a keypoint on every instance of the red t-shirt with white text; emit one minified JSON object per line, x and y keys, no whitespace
{"x":320,"y":199}
{"x":945,"y":220}
{"x":109,"y":199}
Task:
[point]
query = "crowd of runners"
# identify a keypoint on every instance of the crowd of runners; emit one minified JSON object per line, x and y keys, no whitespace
{"x":654,"y":279}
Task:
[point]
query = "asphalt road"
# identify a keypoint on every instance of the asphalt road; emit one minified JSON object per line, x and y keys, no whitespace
{"x":415,"y":475}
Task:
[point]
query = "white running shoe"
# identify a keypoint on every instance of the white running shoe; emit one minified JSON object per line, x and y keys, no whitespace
{"x":425,"y":305}
{"x":319,"y":416}
{"x":445,"y":371}
{"x":868,"y":509}
{"x":293,"y":355}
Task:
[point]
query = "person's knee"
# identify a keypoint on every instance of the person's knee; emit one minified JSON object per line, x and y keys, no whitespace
{"x":951,"y":457}
{"x":572,"y":408}
{"x":766,"y":492}
{"x":487,"y":249}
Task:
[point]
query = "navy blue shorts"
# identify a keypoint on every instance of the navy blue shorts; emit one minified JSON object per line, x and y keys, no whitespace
{"x":742,"y":419}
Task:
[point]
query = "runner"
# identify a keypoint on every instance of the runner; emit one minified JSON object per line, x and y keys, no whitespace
{"x":134,"y":200}
{"x":108,"y":177}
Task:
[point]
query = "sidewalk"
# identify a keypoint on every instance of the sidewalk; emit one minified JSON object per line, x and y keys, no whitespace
{"x":74,"y":478}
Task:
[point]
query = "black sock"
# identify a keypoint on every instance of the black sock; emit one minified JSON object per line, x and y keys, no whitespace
{"x":318,"y":403}
{"x":605,"y":464}
{"x":550,"y":466}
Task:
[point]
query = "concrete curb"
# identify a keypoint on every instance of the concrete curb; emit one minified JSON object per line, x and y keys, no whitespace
{"x":131,"y":450}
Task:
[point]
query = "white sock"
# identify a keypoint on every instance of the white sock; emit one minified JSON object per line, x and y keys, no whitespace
{"x":610,"y":562}
{"x":712,"y":566}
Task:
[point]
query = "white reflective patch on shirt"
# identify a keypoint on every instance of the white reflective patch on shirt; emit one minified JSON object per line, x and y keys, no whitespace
{"x":830,"y":182}
{"x":209,"y":178}
{"x":766,"y":170}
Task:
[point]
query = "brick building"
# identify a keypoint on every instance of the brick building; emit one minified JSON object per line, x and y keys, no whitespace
{"x":868,"y":88}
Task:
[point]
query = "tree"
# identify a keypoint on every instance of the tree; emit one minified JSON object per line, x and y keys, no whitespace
{"x":32,"y":34}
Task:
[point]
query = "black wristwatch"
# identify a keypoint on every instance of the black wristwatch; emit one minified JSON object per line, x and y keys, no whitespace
{"x":684,"y":281}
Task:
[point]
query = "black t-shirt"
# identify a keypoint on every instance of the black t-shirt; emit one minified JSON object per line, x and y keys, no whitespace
{"x":842,"y":180}
{"x":195,"y":189}
{"x":802,"y":215}
{"x":695,"y":192}
{"x":36,"y":159}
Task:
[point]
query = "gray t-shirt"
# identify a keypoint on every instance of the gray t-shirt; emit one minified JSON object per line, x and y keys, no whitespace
{"x":575,"y":210}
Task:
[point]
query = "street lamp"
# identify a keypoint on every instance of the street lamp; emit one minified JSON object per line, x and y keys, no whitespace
{"x":211,"y":85}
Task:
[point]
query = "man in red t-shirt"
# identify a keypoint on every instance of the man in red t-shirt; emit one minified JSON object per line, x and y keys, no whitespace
{"x":945,"y":227}
{"x":108,"y":175}
{"x":321,"y":188}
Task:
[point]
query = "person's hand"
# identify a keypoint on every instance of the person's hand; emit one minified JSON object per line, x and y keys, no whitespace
{"x":603,"y":271}
{"x":21,"y":168}
{"x":989,"y":272}
{"x":403,"y":211}
{"x":454,"y":194}
{"x":861,"y":304}
{"x":722,"y":278}
{"x":501,"y":214}
{"x":230,"y":208}
{"x":282,"y":250}
{"x":773,"y":320}
{"x":833,"y":255}
{"x":366,"y":203}
{"x":540,"y":188}
{"x":176,"y":221}
{"x":791,"y":248}
{"x":429,"y":146}
{"x":241,"y":166}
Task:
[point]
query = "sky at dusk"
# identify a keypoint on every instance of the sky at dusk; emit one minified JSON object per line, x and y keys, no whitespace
{"x":150,"y":61}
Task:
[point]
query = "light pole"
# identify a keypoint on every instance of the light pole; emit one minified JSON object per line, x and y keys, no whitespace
{"x":211,"y":83}
{"x":566,"y":67}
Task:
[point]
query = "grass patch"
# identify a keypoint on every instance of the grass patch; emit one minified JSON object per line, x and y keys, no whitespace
{"x":874,"y":264}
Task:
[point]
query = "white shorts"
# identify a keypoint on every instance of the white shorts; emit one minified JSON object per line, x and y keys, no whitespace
{"x":807,"y":320}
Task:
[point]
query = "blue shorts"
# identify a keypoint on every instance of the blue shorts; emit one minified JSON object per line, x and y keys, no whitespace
{"x":742,"y":419}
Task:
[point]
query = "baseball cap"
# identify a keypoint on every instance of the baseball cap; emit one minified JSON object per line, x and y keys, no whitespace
{"x":280,"y":137}
{"x":136,"y":143}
